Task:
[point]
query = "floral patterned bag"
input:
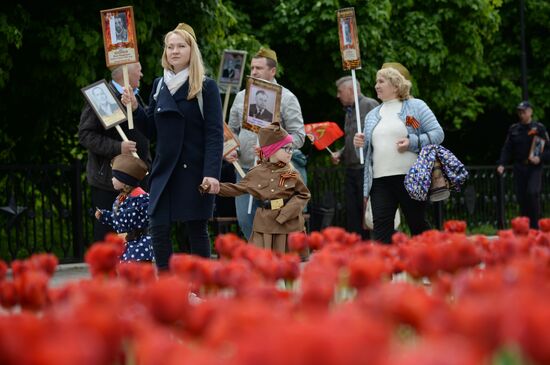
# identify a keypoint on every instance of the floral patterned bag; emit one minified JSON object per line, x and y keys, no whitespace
{"x":419,"y":178}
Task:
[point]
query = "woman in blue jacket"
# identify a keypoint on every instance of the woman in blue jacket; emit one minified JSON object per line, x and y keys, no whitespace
{"x":395,"y":132}
{"x":185,"y":116}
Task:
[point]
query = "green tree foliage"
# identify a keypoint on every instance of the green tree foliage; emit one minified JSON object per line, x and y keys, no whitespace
{"x":464,"y":56}
{"x":50,"y":50}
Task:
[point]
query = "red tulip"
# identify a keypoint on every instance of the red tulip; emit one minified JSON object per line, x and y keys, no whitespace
{"x":227,"y":243}
{"x":8,"y":294}
{"x":367,"y":270}
{"x":544,"y":224}
{"x":334,"y":234}
{"x":455,"y":226}
{"x":289,"y":267}
{"x":116,"y":240}
{"x":136,"y":273}
{"x":103,"y":258}
{"x":3,"y":270}
{"x":18,"y":267}
{"x":297,"y":241}
{"x":199,"y":272}
{"x":168,"y":299}
{"x":45,"y":262}
{"x":520,"y":225}
{"x":316,"y":240}
{"x":32,"y":290}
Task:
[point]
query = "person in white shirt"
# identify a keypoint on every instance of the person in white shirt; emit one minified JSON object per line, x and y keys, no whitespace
{"x":395,"y":132}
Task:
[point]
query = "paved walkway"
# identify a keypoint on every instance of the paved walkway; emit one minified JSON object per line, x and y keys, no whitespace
{"x":69,"y":272}
{"x":66,"y":273}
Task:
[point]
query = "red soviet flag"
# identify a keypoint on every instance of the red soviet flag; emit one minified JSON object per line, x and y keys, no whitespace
{"x":323,"y":134}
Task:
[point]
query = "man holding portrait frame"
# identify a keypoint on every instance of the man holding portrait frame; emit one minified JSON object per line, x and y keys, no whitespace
{"x":263,"y":66}
{"x":521,"y":147}
{"x":100,"y":136}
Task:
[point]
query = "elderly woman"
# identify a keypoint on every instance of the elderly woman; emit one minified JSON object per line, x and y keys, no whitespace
{"x":395,"y":132}
{"x":185,"y":115}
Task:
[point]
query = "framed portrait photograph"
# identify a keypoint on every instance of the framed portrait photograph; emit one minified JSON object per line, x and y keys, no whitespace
{"x":230,"y":143}
{"x":119,"y":36}
{"x":262,"y":103}
{"x":537,"y":147}
{"x":349,"y":40}
{"x":105,"y":104}
{"x":232,"y":68}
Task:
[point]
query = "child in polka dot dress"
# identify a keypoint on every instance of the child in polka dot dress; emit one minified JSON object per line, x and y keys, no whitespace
{"x":129,"y":214}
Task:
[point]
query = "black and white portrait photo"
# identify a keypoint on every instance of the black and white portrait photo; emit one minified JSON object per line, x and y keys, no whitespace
{"x":119,"y":29}
{"x":262,"y":101}
{"x":346,"y":31}
{"x":105,"y":106}
{"x":104,"y":103}
{"x":259,"y":108}
{"x":232,"y":68}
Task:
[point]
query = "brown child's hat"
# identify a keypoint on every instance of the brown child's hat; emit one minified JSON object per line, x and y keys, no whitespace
{"x":271,"y":134}
{"x":128,"y":169}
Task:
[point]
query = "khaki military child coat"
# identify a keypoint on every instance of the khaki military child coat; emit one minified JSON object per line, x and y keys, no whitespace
{"x":283,"y":197}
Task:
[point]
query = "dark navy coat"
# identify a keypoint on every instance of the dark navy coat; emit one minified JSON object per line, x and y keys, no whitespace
{"x":188,"y":148}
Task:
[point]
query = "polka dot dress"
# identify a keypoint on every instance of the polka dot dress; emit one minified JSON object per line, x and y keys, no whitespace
{"x":129,"y":215}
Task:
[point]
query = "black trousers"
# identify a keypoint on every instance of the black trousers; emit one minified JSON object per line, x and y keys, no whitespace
{"x":354,"y":202}
{"x":528,"y":186}
{"x":102,"y":199}
{"x":160,"y":227}
{"x":387,"y":193}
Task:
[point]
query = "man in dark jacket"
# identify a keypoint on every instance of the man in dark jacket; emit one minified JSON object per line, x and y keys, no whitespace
{"x":518,"y":148}
{"x":348,"y":154}
{"x":104,"y":144}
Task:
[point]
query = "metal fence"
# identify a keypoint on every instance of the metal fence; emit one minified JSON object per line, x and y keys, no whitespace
{"x":47,"y":208}
{"x":43,"y":211}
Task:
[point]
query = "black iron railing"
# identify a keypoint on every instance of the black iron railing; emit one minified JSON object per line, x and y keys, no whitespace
{"x":47,"y":208}
{"x":43,"y":211}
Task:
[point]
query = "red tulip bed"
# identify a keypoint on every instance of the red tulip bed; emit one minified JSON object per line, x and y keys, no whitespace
{"x":440,"y":298}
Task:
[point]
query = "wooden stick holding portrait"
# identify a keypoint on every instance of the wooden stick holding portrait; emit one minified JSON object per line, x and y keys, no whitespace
{"x":230,"y":77}
{"x":262,"y":106}
{"x":108,"y":109}
{"x":120,"y":44}
{"x":351,"y":56}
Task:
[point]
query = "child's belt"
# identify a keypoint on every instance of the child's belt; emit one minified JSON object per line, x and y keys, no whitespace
{"x":273,"y":204}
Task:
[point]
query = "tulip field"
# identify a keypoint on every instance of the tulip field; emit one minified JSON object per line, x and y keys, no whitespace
{"x":440,"y":298}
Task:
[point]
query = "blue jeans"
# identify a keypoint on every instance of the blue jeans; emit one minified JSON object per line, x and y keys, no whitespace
{"x":241,"y":206}
{"x":299,"y":161}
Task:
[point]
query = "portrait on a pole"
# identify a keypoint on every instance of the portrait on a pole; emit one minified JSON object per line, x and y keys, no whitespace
{"x":232,"y":68}
{"x":349,"y":40}
{"x":104,"y":103}
{"x":262,"y":103}
{"x":119,"y":36}
{"x":230,"y":143}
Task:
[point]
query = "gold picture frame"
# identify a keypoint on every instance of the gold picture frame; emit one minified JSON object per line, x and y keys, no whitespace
{"x":104,"y":103}
{"x":119,"y":36}
{"x":262,"y":104}
{"x":349,"y":39}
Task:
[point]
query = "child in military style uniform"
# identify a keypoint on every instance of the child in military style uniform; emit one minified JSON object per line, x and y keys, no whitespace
{"x":279,"y":188}
{"x":129,"y":214}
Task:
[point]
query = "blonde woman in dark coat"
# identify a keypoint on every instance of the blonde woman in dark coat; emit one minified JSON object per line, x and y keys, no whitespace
{"x":185,"y":116}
